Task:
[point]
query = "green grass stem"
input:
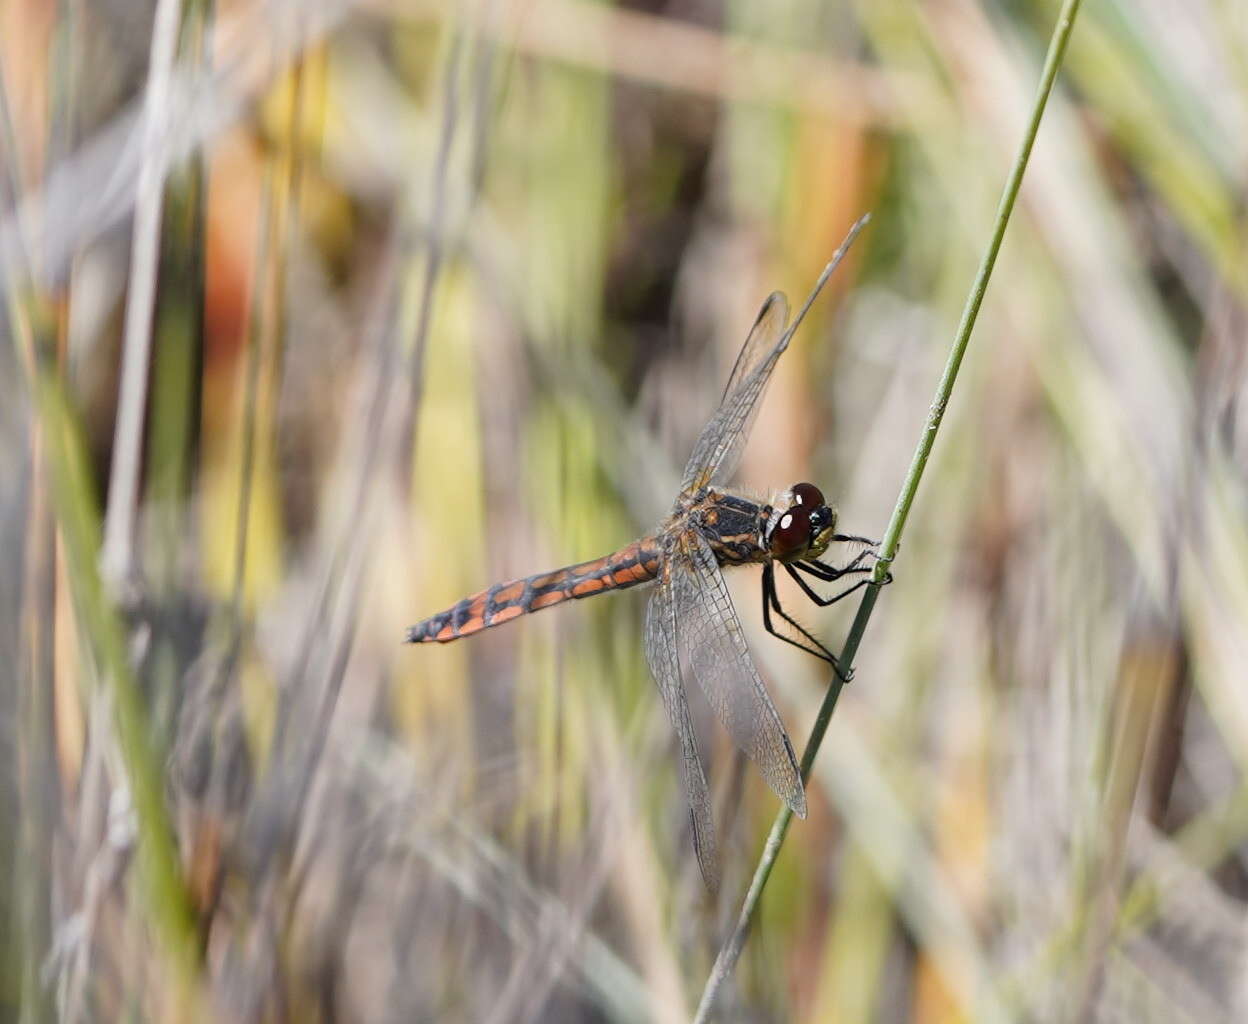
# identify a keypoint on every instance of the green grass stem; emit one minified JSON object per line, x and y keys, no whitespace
{"x":731,"y":949}
{"x":77,"y":515}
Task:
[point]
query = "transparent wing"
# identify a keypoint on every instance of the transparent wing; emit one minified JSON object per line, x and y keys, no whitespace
{"x":718,"y":450}
{"x":761,"y":342}
{"x":662,"y":656}
{"x":712,"y":649}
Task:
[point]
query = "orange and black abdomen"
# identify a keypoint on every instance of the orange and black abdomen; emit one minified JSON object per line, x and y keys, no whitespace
{"x":637,"y":563}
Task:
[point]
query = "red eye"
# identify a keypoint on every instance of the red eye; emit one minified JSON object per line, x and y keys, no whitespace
{"x":807,"y":495}
{"x":791,"y":534}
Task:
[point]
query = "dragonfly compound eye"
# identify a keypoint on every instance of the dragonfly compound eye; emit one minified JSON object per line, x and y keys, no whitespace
{"x":806,"y":495}
{"x":792,"y":533}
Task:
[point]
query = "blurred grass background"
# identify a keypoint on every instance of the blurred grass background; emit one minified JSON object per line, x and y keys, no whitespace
{"x":441,"y":294}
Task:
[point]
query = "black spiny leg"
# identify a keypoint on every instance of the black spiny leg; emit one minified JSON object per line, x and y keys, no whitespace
{"x":829,"y":574}
{"x":849,"y":538}
{"x":810,"y":591}
{"x":771,"y":600}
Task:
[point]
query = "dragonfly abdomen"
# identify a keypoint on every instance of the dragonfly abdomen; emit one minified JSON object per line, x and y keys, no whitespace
{"x":631,"y":565}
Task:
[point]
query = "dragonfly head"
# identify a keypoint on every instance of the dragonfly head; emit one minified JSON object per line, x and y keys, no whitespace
{"x":802,"y":526}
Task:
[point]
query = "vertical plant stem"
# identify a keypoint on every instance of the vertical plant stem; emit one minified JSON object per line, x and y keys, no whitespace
{"x":731,"y":950}
{"x":167,"y":902}
{"x":35,"y":742}
{"x":117,"y":555}
{"x":60,"y":446}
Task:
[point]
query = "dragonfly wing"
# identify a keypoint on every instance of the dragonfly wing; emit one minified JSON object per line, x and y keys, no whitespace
{"x":719,"y":448}
{"x":663,"y":657}
{"x":713,"y":650}
{"x":760,"y":343}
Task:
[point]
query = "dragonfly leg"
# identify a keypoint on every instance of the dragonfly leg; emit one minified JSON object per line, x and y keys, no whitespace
{"x":771,"y":601}
{"x":849,"y":538}
{"x":828,"y":573}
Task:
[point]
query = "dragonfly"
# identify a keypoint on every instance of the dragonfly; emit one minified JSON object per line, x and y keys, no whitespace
{"x":692,"y":631}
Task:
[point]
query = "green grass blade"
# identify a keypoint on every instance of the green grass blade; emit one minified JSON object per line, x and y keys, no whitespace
{"x":731,"y":950}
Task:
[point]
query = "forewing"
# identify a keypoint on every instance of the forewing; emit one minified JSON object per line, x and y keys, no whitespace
{"x":712,"y":649}
{"x":719,"y":447}
{"x":662,"y":655}
{"x":766,"y":333}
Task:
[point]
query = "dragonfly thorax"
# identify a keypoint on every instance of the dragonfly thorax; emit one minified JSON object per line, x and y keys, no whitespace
{"x":732,"y":524}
